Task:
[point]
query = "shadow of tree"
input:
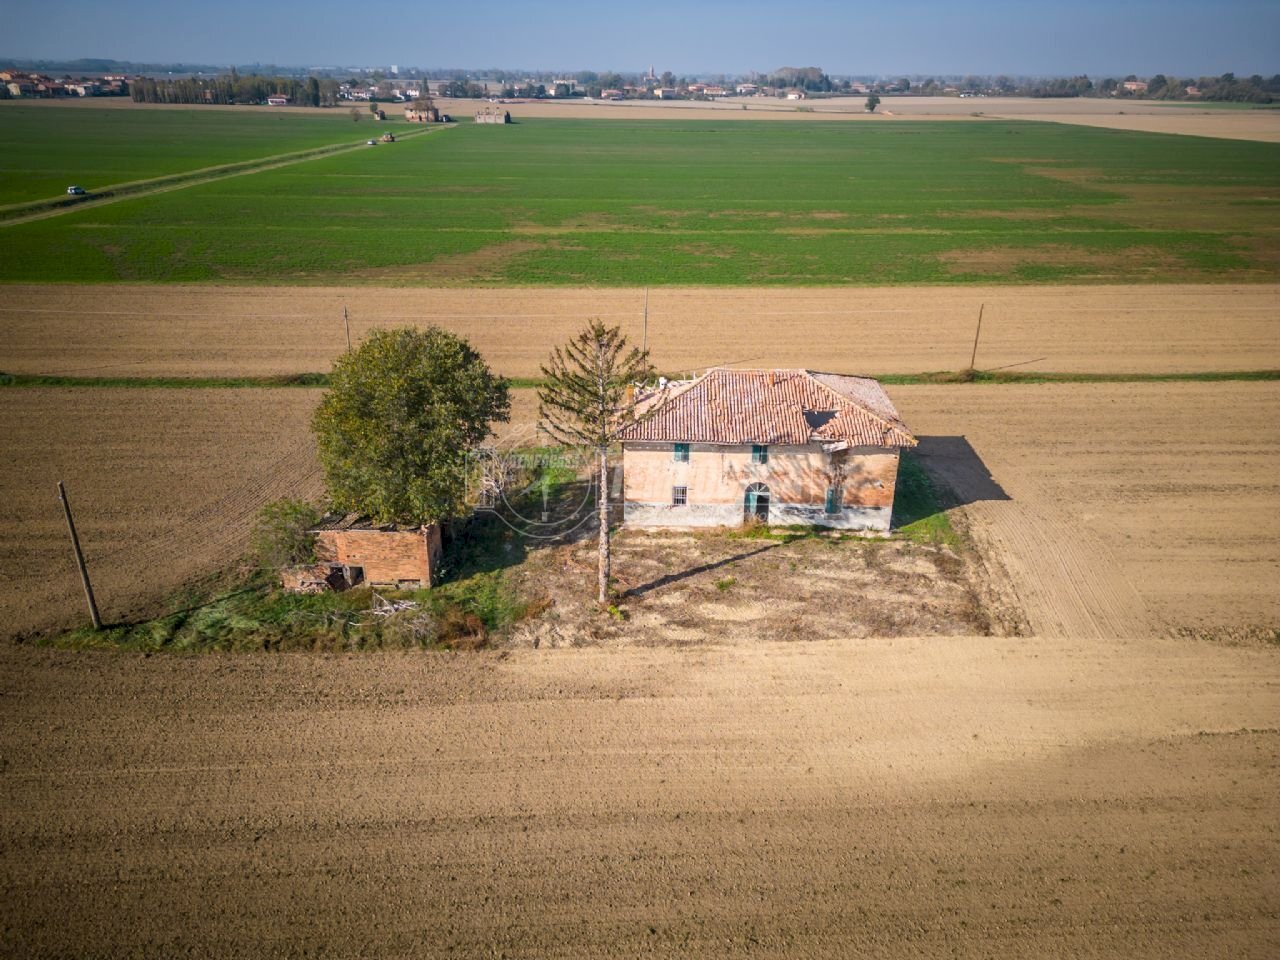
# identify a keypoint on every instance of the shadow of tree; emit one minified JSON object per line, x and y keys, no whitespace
{"x":671,"y":578}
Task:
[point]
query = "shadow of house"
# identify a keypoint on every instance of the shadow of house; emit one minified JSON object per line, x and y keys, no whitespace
{"x":958,"y":471}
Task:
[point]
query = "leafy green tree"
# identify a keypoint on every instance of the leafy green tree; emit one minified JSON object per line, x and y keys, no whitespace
{"x":282,"y":535}
{"x":398,"y":425}
{"x":872,"y":102}
{"x":586,"y":400}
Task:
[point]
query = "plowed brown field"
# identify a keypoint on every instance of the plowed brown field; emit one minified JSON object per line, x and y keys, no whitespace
{"x":1134,"y":508}
{"x":1147,"y":116}
{"x":968,"y":797}
{"x":227,"y":331}
{"x":164,"y":484}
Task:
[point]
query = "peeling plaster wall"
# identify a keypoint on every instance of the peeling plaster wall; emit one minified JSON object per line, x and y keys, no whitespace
{"x":717,"y":477}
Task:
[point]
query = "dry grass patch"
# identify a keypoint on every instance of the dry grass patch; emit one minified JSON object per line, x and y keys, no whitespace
{"x":1006,"y":260}
{"x":725,"y":587}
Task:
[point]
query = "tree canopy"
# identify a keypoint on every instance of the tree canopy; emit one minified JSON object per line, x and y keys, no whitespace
{"x":398,"y":425}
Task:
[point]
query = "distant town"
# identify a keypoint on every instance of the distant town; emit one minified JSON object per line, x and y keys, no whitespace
{"x":331,"y":86}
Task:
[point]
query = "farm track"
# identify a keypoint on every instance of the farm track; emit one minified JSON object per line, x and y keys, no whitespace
{"x":13,"y":214}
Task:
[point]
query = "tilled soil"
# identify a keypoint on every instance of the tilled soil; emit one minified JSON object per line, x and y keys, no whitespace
{"x":1117,"y":509}
{"x":215,"y":331}
{"x":165,"y":485}
{"x":967,"y":797}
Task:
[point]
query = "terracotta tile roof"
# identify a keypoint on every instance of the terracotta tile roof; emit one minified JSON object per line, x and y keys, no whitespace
{"x":771,"y":406}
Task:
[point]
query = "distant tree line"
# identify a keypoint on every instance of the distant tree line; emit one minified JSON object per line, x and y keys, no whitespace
{"x":806,"y":78}
{"x":1228,"y":87}
{"x":233,"y":88}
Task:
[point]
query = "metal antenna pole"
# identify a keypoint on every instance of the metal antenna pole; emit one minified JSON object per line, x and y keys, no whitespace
{"x":974,"y":356}
{"x":84,"y":572}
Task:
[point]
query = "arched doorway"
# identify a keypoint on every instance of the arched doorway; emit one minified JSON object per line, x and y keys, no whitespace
{"x":755,"y":505}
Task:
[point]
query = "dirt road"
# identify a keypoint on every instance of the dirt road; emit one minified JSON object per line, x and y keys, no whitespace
{"x":967,"y":797}
{"x":254,"y":331}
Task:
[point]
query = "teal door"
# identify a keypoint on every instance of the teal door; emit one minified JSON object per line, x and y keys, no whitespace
{"x":755,"y":506}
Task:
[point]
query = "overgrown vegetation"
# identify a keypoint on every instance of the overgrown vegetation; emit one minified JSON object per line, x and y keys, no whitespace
{"x":258,"y":617}
{"x":282,"y":534}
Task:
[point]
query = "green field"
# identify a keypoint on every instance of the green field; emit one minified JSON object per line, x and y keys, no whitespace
{"x":48,"y":148}
{"x":696,"y":202}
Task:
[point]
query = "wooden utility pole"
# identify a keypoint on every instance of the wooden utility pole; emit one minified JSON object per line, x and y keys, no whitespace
{"x":974,"y":356}
{"x":75,"y":545}
{"x":644,"y":344}
{"x":346,"y":322}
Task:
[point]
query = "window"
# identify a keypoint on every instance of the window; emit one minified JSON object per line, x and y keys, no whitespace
{"x":759,"y":453}
{"x":679,"y":496}
{"x":833,"y":499}
{"x":680,"y":453}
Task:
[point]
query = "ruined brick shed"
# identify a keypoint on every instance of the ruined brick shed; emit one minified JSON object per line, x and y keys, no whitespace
{"x":350,"y":551}
{"x":782,"y":447}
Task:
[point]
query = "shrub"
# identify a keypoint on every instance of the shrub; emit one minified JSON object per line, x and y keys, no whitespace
{"x":282,"y":534}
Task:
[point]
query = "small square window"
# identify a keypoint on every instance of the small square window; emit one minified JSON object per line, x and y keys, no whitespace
{"x":759,"y":453}
{"x":833,"y":499}
{"x":680,"y":453}
{"x":679,"y":496}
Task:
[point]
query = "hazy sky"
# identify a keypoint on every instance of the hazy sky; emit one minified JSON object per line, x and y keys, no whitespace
{"x":1098,"y":37}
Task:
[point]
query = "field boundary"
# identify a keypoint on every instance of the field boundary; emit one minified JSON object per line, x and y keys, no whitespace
{"x":941,"y":378}
{"x":17,"y":213}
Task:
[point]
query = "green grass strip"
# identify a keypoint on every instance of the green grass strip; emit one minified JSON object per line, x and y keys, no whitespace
{"x":529,"y":383}
{"x":982,"y":376}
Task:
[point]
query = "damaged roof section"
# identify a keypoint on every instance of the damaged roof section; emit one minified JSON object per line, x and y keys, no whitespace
{"x":771,"y":407}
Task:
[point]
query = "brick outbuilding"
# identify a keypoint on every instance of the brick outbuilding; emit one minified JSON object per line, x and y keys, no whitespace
{"x":351,"y":551}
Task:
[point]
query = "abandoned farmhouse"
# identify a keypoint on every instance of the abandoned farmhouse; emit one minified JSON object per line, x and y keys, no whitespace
{"x":782,"y":447}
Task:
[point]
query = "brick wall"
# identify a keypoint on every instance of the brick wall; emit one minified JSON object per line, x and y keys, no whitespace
{"x":387,"y":556}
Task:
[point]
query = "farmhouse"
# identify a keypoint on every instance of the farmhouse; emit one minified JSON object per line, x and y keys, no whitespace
{"x":351,"y":551}
{"x":493,"y":115}
{"x":782,"y":447}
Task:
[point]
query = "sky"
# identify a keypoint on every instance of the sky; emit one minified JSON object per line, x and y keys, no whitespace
{"x":1027,"y":37}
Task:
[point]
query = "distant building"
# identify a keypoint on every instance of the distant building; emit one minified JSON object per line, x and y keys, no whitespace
{"x":1134,"y":86}
{"x":278,"y":100}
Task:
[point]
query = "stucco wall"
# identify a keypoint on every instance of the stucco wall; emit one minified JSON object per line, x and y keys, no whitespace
{"x":717,"y":477}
